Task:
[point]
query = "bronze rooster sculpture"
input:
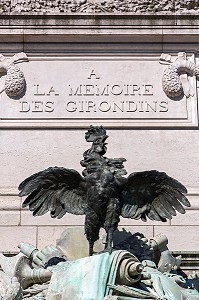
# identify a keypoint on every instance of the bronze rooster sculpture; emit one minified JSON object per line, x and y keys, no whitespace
{"x":103,"y":194}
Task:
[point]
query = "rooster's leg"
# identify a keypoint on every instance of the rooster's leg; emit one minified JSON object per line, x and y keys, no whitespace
{"x":91,"y":244}
{"x":111,"y":222}
{"x":92,"y":227}
{"x":109,"y":241}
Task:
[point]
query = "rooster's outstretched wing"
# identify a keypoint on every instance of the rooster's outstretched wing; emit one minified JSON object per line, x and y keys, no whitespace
{"x":152,"y":194}
{"x":55,"y":189}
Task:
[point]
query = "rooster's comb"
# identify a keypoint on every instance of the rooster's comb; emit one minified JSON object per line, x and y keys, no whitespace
{"x":94,"y":132}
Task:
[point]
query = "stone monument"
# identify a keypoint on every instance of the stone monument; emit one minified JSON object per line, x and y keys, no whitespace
{"x":102,"y":195}
{"x":130,"y":66}
{"x":48,"y":273}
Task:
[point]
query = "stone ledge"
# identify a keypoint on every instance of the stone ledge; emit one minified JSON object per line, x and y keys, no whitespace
{"x":99,"y":20}
{"x":102,"y":28}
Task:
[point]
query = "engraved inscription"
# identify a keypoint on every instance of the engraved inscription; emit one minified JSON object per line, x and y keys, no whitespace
{"x":50,"y":91}
{"x":107,"y":90}
{"x":95,"y":90}
{"x":36,"y":106}
{"x":92,"y":73}
{"x":116,"y":91}
{"x":88,"y":106}
{"x":122,"y":106}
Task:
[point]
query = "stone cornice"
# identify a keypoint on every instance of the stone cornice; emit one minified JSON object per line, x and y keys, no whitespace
{"x":98,"y":31}
{"x":101,"y":6}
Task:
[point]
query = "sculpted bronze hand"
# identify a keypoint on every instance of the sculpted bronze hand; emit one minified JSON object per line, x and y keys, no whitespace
{"x":103,"y":194}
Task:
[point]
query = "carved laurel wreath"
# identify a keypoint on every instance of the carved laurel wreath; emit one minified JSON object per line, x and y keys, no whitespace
{"x":171,"y":81}
{"x":14,"y":80}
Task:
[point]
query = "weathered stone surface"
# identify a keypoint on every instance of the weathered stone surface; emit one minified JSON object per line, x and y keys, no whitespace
{"x":107,"y":6}
{"x":73,"y":243}
{"x":13,"y":235}
{"x":185,"y":238}
{"x":48,"y":235}
{"x":68,"y":220}
{"x":10,"y":288}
